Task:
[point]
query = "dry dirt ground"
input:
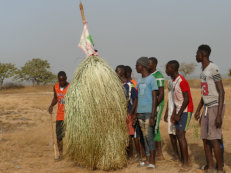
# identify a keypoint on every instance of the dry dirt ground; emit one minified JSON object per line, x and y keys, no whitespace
{"x":26,"y":143}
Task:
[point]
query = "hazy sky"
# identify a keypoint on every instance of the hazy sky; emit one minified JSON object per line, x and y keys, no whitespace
{"x":123,"y":30}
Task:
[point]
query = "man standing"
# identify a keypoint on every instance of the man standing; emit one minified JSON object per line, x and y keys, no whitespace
{"x":160,"y":104}
{"x":138,"y":137}
{"x":183,"y":108}
{"x":171,"y":126}
{"x":60,"y":90}
{"x":147,"y":103}
{"x":131,"y":95}
{"x":213,"y":101}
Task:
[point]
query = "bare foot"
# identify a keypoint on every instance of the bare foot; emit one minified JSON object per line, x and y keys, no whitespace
{"x":59,"y":158}
{"x":160,"y":157}
{"x":175,"y":159}
{"x":185,"y":169}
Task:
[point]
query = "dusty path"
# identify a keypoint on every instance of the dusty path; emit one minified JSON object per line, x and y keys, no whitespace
{"x":26,"y":147}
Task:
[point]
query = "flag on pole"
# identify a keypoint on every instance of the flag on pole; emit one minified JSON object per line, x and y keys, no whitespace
{"x":86,"y":42}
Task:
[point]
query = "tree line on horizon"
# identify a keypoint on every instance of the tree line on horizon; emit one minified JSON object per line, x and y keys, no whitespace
{"x":36,"y":71}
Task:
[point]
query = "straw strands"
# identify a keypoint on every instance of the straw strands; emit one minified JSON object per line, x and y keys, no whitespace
{"x":96,"y":134}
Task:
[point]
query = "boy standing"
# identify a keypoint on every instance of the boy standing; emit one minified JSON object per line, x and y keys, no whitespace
{"x":160,"y":104}
{"x":60,"y":90}
{"x":183,"y":107}
{"x":147,"y":103}
{"x":138,"y":137}
{"x":213,"y":101}
{"x":167,"y":118}
{"x":131,"y":95}
{"x":128,"y":74}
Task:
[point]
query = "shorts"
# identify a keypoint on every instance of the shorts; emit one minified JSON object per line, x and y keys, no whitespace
{"x":209,"y":130}
{"x":131,"y":129}
{"x":59,"y":130}
{"x":159,"y":111}
{"x":138,"y":132}
{"x":171,"y":127}
{"x":147,"y":131}
{"x":183,"y":124}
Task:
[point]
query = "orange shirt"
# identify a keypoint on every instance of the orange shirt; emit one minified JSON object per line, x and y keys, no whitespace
{"x":61,"y":102}
{"x":134,"y":82}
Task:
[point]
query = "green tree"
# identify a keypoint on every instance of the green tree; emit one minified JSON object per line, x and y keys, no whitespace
{"x":7,"y":70}
{"x":37,"y":71}
{"x":187,"y":69}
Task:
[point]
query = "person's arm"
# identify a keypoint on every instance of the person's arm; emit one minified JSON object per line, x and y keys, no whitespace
{"x":154,"y":105}
{"x":161,"y":95}
{"x":198,"y":111}
{"x":166,"y":114}
{"x":134,"y":96}
{"x":221,"y":92}
{"x":133,"y":110}
{"x":53,"y":102}
{"x":184,"y":105}
{"x":173,"y":115}
{"x":135,"y":115}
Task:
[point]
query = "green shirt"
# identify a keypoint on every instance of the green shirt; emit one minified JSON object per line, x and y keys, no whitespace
{"x":160,"y":80}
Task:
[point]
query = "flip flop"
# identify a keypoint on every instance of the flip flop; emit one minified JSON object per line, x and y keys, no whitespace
{"x":204,"y":167}
{"x":184,"y":170}
{"x":138,"y":159}
{"x":151,"y":166}
{"x":211,"y":171}
{"x":142,"y":164}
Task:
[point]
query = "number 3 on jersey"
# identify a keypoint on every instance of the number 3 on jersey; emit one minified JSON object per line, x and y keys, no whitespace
{"x":205,"y":89}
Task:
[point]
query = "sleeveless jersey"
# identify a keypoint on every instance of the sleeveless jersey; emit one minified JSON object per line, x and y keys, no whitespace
{"x":61,"y":101}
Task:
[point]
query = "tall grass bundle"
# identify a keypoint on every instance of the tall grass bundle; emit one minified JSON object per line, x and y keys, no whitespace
{"x":96,"y":134}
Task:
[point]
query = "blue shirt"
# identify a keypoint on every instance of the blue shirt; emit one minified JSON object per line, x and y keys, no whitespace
{"x":131,"y":94}
{"x":145,"y":87}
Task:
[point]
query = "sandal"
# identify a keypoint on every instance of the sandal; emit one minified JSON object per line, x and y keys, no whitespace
{"x":151,"y":166}
{"x":142,"y":164}
{"x":204,"y":167}
{"x":211,"y":171}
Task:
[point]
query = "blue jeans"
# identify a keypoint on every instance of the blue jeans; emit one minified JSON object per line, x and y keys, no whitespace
{"x":148,"y":132}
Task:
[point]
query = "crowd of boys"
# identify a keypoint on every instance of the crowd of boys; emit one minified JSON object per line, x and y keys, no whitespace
{"x":146,"y":105}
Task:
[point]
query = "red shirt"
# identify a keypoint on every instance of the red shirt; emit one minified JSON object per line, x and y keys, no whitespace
{"x":180,"y":85}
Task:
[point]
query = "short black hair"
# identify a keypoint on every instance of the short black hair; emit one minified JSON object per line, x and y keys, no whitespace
{"x":205,"y":49}
{"x":174,"y":64}
{"x":154,"y":60}
{"x":62,"y":73}
{"x":128,"y":69}
{"x":121,"y":67}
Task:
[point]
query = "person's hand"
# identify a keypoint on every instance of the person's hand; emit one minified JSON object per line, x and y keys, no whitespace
{"x":200,"y":121}
{"x":197,"y":115}
{"x":218,"y":122}
{"x":177,"y":118}
{"x":152,"y":122}
{"x":173,"y":121}
{"x":134,"y":120}
{"x":50,"y":109}
{"x":166,"y":118}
